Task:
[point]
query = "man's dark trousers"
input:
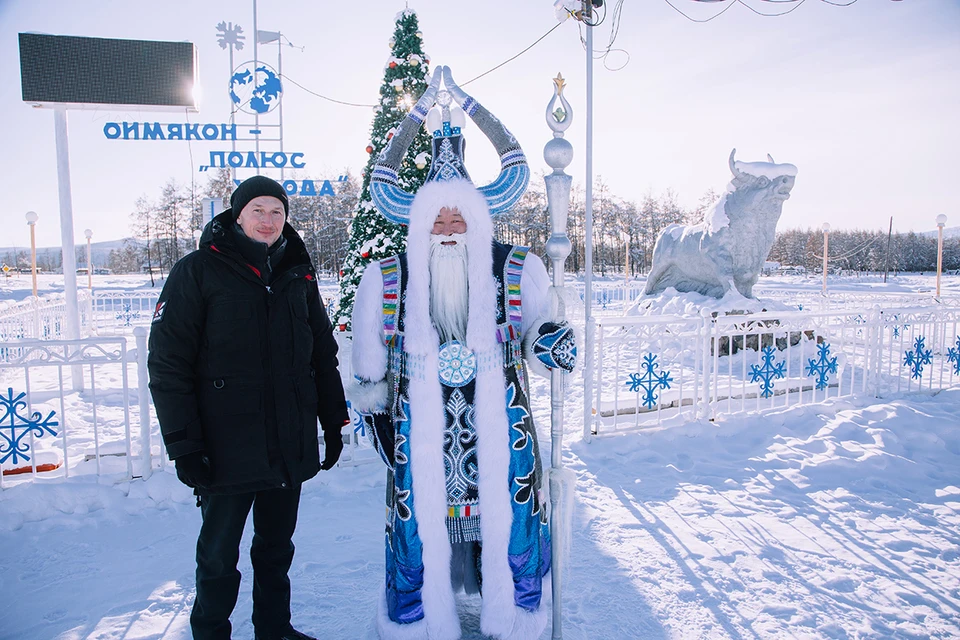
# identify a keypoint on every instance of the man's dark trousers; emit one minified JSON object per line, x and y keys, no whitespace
{"x":218,"y":551}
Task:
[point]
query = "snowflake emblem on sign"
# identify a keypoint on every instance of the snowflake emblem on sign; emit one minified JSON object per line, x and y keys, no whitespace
{"x":917,"y":358}
{"x":953,"y":355}
{"x":768,"y":372}
{"x":227,"y":34}
{"x":822,"y":366}
{"x":19,"y":426}
{"x":649,"y":381}
{"x":458,"y":364}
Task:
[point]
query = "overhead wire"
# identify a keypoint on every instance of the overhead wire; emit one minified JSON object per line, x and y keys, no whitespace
{"x":463,"y":84}
{"x":796,"y":5}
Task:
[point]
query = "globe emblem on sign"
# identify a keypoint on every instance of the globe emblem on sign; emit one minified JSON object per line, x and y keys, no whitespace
{"x":255,"y":93}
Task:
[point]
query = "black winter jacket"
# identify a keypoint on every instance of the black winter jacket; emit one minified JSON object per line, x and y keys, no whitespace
{"x":242,"y":371}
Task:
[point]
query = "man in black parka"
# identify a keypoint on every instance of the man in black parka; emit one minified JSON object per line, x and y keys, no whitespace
{"x":242,"y":364}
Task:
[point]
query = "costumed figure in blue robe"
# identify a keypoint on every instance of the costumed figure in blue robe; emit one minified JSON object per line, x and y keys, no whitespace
{"x":443,"y":335}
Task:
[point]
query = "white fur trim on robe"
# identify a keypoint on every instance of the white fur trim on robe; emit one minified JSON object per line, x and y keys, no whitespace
{"x":369,"y":355}
{"x":499,"y":616}
{"x":368,"y":398}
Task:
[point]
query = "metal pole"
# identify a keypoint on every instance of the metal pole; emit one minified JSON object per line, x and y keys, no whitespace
{"x":826,"y":245}
{"x":256,"y":116}
{"x":886,"y":256}
{"x":32,"y":222}
{"x":89,"y":234}
{"x":280,"y":106}
{"x":941,"y":220}
{"x":69,"y":250}
{"x":558,"y":153}
{"x":233,"y":122}
{"x":588,"y":239}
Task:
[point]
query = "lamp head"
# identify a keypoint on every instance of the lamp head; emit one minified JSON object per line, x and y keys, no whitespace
{"x":87,"y":233}
{"x":32,"y":217}
{"x":941,"y":220}
{"x":826,"y":227}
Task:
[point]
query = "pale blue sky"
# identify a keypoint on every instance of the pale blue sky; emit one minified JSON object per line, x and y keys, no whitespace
{"x":863,"y":99}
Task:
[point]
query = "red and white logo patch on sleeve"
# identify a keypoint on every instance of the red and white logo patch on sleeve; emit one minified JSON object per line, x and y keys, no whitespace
{"x":158,"y":312}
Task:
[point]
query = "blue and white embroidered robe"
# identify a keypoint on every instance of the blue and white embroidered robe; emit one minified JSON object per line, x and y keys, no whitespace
{"x":396,"y":346}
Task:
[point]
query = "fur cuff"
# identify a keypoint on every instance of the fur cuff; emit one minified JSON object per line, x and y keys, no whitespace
{"x":527,"y":625}
{"x":368,"y":397}
{"x":387,"y":629}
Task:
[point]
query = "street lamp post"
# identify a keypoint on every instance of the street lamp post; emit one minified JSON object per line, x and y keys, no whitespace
{"x":941,"y":220}
{"x":826,"y":245}
{"x":32,"y":223}
{"x":89,"y":234}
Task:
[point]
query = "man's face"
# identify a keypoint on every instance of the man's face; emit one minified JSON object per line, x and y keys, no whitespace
{"x":449,"y":222}
{"x":262,"y":219}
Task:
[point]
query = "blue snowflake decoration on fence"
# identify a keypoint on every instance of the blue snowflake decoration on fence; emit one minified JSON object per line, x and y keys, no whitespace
{"x":822,"y":366}
{"x":14,"y":427}
{"x":953,"y":355}
{"x":899,"y":328}
{"x":860,"y":319}
{"x":649,"y":381}
{"x":917,"y":358}
{"x":16,"y":334}
{"x":604,"y":299}
{"x":768,"y":372}
{"x":127,"y":315}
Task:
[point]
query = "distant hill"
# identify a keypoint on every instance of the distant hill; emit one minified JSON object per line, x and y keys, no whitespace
{"x":948,"y":232}
{"x":100,"y":252}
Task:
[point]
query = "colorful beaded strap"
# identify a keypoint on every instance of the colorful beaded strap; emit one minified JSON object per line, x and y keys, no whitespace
{"x":514,"y":271}
{"x":390,"y":270}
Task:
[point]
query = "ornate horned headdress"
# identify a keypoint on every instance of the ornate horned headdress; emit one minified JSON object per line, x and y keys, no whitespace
{"x":444,"y":124}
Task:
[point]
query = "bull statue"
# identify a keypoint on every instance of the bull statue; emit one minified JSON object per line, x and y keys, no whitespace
{"x":727,"y":249}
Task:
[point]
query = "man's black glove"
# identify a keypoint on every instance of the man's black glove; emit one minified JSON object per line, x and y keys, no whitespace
{"x":333,"y":447}
{"x":194,"y":470}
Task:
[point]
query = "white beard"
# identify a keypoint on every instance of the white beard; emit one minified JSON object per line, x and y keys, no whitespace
{"x":449,"y":287}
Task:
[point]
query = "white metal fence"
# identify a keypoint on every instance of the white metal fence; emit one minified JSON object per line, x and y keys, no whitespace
{"x":118,"y":312}
{"x":40,"y":318}
{"x":65,"y":408}
{"x":83,"y":407}
{"x":649,"y":370}
{"x":667,"y":368}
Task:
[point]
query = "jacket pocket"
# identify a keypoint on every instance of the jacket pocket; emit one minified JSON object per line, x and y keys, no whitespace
{"x":234,"y":430}
{"x":307,"y":400}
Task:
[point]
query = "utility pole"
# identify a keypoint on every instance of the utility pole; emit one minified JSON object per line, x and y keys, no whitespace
{"x":886,"y":257}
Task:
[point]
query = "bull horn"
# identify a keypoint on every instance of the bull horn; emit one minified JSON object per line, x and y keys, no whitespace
{"x":770,"y":158}
{"x":388,"y":196}
{"x":733,"y":166}
{"x":504,"y":192}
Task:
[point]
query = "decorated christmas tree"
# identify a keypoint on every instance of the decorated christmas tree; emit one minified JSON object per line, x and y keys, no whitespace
{"x":372,"y":237}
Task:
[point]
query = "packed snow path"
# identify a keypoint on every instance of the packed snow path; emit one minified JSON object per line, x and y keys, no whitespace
{"x":833,"y":521}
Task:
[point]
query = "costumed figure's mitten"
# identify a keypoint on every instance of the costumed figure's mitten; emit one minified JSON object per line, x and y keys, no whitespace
{"x":551,"y":345}
{"x":370,"y":399}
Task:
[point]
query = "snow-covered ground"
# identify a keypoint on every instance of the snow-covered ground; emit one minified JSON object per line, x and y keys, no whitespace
{"x":837,"y":520}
